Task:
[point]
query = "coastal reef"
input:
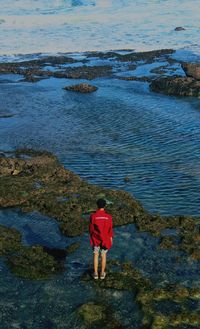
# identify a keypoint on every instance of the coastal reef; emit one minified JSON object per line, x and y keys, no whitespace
{"x":41,"y":183}
{"x":188,"y":85}
{"x":171,"y":77}
{"x":65,"y":66}
{"x":176,"y":86}
{"x":37,"y":181}
{"x":161,"y":307}
{"x":98,"y":315}
{"x":31,"y":262}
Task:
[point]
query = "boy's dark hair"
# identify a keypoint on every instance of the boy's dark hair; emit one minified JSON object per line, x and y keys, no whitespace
{"x":101,"y":203}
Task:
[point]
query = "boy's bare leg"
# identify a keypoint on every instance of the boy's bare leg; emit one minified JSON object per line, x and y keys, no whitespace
{"x":103,"y":262}
{"x":96,"y":261}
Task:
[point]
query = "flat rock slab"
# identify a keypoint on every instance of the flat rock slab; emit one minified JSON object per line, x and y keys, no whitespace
{"x":82,"y":88}
{"x":177,"y":86}
{"x":191,"y":70}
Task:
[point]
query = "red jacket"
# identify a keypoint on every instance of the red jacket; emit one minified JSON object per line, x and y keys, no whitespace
{"x":101,"y":229}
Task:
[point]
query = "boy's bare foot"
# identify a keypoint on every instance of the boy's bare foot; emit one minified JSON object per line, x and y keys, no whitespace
{"x":103,"y":275}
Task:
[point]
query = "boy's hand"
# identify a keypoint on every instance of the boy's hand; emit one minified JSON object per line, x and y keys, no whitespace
{"x":111,"y":240}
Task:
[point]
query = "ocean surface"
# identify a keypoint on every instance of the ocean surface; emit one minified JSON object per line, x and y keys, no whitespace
{"x":52,"y":26}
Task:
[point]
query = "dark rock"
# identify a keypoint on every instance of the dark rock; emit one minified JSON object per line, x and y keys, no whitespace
{"x":82,"y":88}
{"x":98,"y":314}
{"x":85,"y":72}
{"x":92,"y":313}
{"x":72,"y":247}
{"x":191,"y":70}
{"x":134,"y":78}
{"x":168,"y":242}
{"x":10,"y":240}
{"x":18,"y":177}
{"x":179,"y":28}
{"x":147,"y":56}
{"x":33,"y":263}
{"x":72,"y":214}
{"x":177,"y":86}
{"x":127,"y":179}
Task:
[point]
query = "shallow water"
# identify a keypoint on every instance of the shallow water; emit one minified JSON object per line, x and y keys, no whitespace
{"x":52,"y":303}
{"x":78,"y":25}
{"x":121,"y":130}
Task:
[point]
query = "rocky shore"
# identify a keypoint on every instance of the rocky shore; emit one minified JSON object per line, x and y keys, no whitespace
{"x":36,"y":181}
{"x":41,"y":183}
{"x":175,"y":77}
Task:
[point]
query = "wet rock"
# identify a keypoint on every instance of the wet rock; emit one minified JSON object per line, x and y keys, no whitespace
{"x":92,"y":313}
{"x":191,"y":70}
{"x":85,"y":72}
{"x":73,"y":212}
{"x":33,"y":263}
{"x":127,"y":179}
{"x":179,"y":28}
{"x":10,"y":240}
{"x":72,"y":247}
{"x":168,"y":242}
{"x":177,"y":86}
{"x":126,"y":277}
{"x":56,"y":181}
{"x":98,"y":314}
{"x":134,"y":78}
{"x":160,"y":70}
{"x":152,"y":318}
{"x":147,"y":56}
{"x":186,"y":318}
{"x":82,"y":88}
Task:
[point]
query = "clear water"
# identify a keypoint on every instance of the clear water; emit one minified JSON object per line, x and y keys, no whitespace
{"x":79,"y":25}
{"x":53,"y":303}
{"x":121,"y":130}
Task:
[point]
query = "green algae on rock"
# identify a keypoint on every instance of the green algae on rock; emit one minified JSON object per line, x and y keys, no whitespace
{"x":81,"y":88}
{"x":92,"y":313}
{"x":33,"y":263}
{"x":149,"y":296}
{"x":72,"y":248}
{"x":98,"y":315}
{"x":176,"y":86}
{"x":62,"y":194}
{"x":37,"y":181}
{"x":10,"y":240}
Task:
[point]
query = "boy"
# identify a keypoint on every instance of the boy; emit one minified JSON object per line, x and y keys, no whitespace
{"x":101,"y":235}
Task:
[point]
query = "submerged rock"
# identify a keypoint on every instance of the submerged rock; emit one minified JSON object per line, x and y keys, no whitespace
{"x":177,"y":86}
{"x":33,"y":263}
{"x":82,"y":88}
{"x":84,"y":72}
{"x":72,"y":248}
{"x":56,"y":182}
{"x":18,"y":178}
{"x":135,"y":78}
{"x":10,"y":240}
{"x":92,"y":313}
{"x":98,"y":315}
{"x":191,"y":70}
